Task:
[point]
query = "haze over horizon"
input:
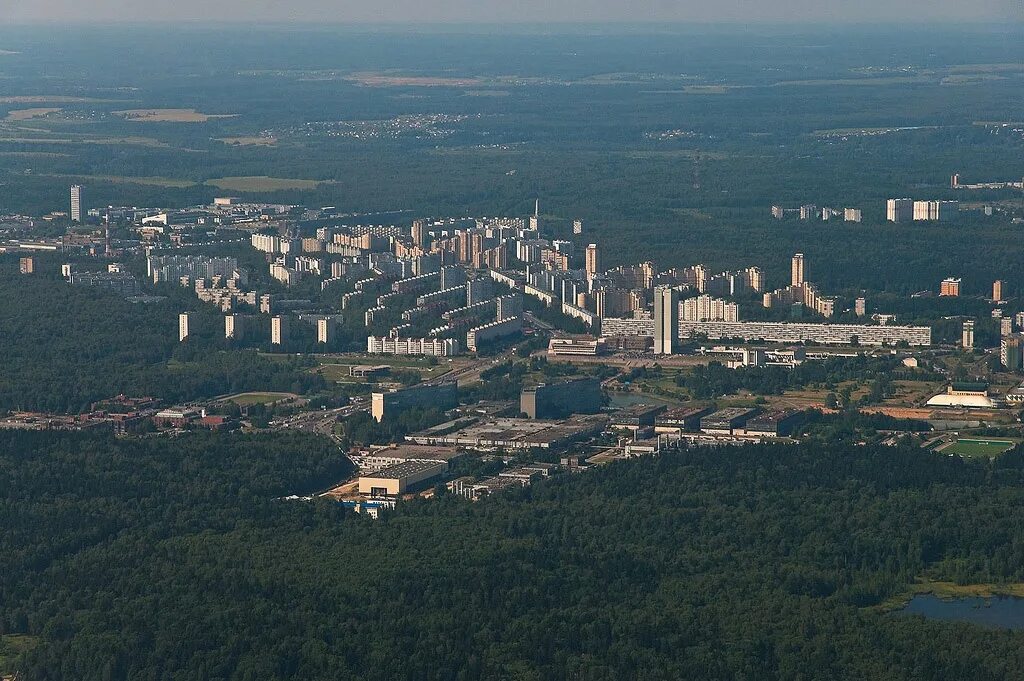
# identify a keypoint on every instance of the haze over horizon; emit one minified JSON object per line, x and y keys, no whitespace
{"x":525,"y":11}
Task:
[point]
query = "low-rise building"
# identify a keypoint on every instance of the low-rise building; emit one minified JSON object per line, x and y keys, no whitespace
{"x":727,"y":421}
{"x":400,"y":478}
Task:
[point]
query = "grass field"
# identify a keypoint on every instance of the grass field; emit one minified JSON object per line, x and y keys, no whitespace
{"x":12,"y":645}
{"x":168,"y":115}
{"x":258,"y":141}
{"x":246,"y":399}
{"x":987,"y":447}
{"x":261,"y":183}
{"x":121,"y":179}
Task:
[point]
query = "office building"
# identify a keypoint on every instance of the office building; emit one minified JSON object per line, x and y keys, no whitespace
{"x":76,"y":203}
{"x":997,"y":290}
{"x":183,"y":326}
{"x":559,"y":400}
{"x":727,"y":421}
{"x":899,"y":210}
{"x":593,"y":262}
{"x":279,"y":330}
{"x":950,"y":286}
{"x":967,"y":338}
{"x":666,"y":321}
{"x":442,"y":397}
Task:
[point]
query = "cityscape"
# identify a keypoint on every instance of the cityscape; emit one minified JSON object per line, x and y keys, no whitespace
{"x":450,"y":352}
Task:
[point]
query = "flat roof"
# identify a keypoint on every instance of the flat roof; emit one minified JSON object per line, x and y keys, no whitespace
{"x":403,"y":470}
{"x":414,"y":452}
{"x":731,"y":413}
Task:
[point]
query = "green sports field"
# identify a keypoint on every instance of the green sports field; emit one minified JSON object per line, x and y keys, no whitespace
{"x":979,"y":447}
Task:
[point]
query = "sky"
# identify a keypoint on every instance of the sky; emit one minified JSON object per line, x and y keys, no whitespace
{"x":500,"y":11}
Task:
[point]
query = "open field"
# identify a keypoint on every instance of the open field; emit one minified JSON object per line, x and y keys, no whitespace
{"x":387,"y":80}
{"x":168,"y":115}
{"x":262,"y":183}
{"x":128,"y":141}
{"x":980,"y":447}
{"x":12,"y":645}
{"x":247,"y":399}
{"x":27,"y":114}
{"x":255,"y":141}
{"x":122,"y":179}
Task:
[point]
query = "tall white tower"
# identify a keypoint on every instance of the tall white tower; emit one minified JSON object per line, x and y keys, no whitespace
{"x":76,"y":203}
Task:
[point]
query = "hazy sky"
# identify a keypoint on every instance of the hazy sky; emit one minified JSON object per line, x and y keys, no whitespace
{"x":21,"y":11}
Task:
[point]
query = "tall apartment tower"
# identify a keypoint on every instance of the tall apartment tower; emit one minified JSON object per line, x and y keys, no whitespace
{"x":76,"y":203}
{"x":419,"y":233}
{"x":967,"y":341}
{"x":860,"y":307}
{"x":183,"y":326}
{"x":278,"y":330}
{"x":797,"y":270}
{"x":1006,"y":326}
{"x":950,"y":286}
{"x":577,"y":227}
{"x":324,"y":330}
{"x":997,"y":290}
{"x":234,"y":326}
{"x":899,"y":210}
{"x":593,"y":261}
{"x":666,"y":320}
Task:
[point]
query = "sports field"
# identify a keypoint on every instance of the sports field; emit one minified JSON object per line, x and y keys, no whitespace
{"x":979,"y":447}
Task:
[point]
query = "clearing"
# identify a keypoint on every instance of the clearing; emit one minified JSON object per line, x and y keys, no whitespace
{"x":27,"y":114}
{"x":255,"y":141}
{"x":262,"y":183}
{"x":168,"y":115}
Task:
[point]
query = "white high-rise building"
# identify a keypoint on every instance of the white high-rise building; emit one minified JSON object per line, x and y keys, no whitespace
{"x":76,"y":203}
{"x":183,"y":326}
{"x":666,"y":320}
{"x":234,"y":326}
{"x":278,"y":330}
{"x":324,"y":330}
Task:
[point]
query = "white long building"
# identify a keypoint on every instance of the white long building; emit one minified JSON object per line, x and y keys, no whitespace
{"x":433,"y":347}
{"x":780,"y":332}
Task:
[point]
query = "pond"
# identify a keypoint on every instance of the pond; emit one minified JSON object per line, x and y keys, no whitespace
{"x":1001,"y":612}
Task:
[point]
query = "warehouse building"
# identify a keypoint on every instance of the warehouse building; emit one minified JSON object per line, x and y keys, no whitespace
{"x":681,"y":420}
{"x":779,"y":423}
{"x":401,"y":478}
{"x":726,"y":421}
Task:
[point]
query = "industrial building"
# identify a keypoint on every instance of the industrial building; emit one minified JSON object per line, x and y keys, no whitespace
{"x":681,"y":420}
{"x":637,"y":417}
{"x":779,"y":423}
{"x":443,"y":396}
{"x":727,"y":421}
{"x":400,"y":478}
{"x":558,"y":400}
{"x":509,"y":433}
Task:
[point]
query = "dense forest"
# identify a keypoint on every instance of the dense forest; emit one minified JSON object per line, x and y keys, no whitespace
{"x":68,"y":346}
{"x":171,"y":559}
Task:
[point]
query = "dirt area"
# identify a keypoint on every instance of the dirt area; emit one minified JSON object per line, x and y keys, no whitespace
{"x":28,"y":114}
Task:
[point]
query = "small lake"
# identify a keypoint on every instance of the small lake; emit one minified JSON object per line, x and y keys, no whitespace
{"x":1000,"y":612}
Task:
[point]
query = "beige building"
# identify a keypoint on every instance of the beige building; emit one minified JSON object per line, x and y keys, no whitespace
{"x":183,"y":325}
{"x":400,"y":478}
{"x":593,"y":261}
{"x":950,"y":286}
{"x":279,"y":330}
{"x":797,"y":270}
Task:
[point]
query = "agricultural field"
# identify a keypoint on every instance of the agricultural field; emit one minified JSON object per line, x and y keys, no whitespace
{"x":168,"y":115}
{"x":262,"y":183}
